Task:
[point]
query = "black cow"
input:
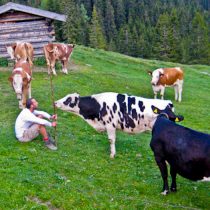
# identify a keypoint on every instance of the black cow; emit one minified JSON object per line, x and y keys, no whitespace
{"x":187,"y":151}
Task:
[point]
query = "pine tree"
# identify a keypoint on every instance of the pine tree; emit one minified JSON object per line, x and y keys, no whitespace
{"x":71,"y":27}
{"x":163,"y":37}
{"x":199,"y":47}
{"x":96,"y":36}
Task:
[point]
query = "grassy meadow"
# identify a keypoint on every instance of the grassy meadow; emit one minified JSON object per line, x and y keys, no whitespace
{"x":80,"y":174}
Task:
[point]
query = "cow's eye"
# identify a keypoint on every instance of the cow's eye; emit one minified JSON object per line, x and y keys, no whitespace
{"x":67,"y":101}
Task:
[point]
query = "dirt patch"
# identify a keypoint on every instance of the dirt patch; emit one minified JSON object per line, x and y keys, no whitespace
{"x":71,"y":67}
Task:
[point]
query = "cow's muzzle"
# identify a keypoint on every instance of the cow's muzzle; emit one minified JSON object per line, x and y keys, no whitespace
{"x":19,"y":96}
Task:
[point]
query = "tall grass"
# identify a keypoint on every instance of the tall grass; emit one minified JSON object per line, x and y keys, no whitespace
{"x":80,"y":175}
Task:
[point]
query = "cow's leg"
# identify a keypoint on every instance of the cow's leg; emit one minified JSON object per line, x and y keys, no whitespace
{"x":180,"y":90}
{"x":173,"y":176}
{"x":162,"y":91}
{"x":24,"y":96}
{"x":112,"y":137}
{"x":155,"y":95}
{"x":176,"y":92}
{"x":51,"y":67}
{"x":64,"y":66}
{"x":164,"y":173}
{"x":29,"y":90}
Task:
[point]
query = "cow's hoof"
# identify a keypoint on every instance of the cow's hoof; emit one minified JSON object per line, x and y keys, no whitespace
{"x":165,"y":192}
{"x":112,"y":156}
{"x":173,"y":189}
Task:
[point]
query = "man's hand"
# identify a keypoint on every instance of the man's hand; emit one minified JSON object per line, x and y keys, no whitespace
{"x":54,"y":124}
{"x":54,"y":117}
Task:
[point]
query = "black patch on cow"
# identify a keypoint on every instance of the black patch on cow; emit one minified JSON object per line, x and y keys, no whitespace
{"x":111,"y":114}
{"x":141,"y":106}
{"x":108,"y":107}
{"x":104,"y":122}
{"x":124,"y":115}
{"x":103,"y":111}
{"x":122,"y":126}
{"x":131,"y":101}
{"x":142,"y":116}
{"x":114,"y":108}
{"x":68,"y":101}
{"x":134,"y":114}
{"x":89,"y":107}
{"x":113,"y":125}
{"x":110,"y":119}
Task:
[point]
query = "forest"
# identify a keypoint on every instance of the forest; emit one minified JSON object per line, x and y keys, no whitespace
{"x":168,"y":30}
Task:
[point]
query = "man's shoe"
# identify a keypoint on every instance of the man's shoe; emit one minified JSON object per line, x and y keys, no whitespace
{"x":50,"y":145}
{"x":51,"y":139}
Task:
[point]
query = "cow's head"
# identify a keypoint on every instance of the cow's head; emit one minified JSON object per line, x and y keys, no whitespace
{"x":168,"y":113}
{"x":156,"y":75}
{"x":17,"y":84}
{"x":11,"y":50}
{"x":69,"y":103}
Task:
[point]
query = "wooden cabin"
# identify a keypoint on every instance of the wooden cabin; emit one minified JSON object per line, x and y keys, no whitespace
{"x":24,"y":23}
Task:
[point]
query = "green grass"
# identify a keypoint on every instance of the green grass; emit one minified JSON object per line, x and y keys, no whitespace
{"x":80,"y":175}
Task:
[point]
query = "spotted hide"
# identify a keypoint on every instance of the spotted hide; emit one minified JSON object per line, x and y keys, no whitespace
{"x":58,"y":52}
{"x":111,"y":111}
{"x":167,"y":77}
{"x":21,"y":51}
{"x":21,"y":81}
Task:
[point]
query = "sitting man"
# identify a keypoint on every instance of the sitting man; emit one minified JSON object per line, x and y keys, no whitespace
{"x":29,"y":124}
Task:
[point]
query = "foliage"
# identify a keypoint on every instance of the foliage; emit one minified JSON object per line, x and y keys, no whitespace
{"x":3,"y":62}
{"x":168,"y":30}
{"x":80,"y":174}
{"x":40,"y":61}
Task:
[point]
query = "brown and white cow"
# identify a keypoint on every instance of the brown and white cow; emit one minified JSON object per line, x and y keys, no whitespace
{"x":164,"y":77}
{"x":21,"y":50}
{"x":57,"y":51}
{"x":21,"y":81}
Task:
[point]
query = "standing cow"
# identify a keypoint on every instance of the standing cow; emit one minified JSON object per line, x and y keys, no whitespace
{"x":21,"y":50}
{"x":21,"y":81}
{"x":187,"y":151}
{"x":110,"y":111}
{"x":58,"y":51}
{"x":164,"y":77}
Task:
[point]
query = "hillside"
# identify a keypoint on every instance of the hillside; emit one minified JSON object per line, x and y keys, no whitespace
{"x":80,"y":175}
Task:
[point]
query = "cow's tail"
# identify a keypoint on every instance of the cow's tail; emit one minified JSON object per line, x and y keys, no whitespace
{"x":29,"y":55}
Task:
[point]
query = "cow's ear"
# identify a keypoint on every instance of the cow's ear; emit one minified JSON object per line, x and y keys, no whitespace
{"x":155,"y":110}
{"x":10,"y":79}
{"x":150,"y":73}
{"x":49,"y":47}
{"x":179,"y":118}
{"x":14,"y":46}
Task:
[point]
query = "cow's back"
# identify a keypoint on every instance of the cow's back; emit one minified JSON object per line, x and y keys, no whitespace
{"x":24,"y":65}
{"x":171,"y":75}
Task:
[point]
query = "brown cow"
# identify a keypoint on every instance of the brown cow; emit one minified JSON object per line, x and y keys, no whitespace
{"x":21,"y":81}
{"x":164,"y":77}
{"x":57,"y":51}
{"x":21,"y":50}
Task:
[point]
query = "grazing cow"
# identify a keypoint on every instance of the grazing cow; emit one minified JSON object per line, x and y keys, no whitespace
{"x":21,"y":81}
{"x":187,"y":151}
{"x":57,"y":51}
{"x":21,"y":50}
{"x":164,"y":77}
{"x":111,"y":111}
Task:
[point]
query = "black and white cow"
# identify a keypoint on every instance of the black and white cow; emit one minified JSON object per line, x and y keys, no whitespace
{"x":187,"y":151}
{"x":110,"y":111}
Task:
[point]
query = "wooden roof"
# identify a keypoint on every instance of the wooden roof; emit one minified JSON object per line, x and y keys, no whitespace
{"x":31,"y":10}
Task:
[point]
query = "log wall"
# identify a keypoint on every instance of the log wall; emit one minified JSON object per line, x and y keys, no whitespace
{"x":19,"y":26}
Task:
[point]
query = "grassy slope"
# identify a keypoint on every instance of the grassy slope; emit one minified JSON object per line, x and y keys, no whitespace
{"x":80,"y":175}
